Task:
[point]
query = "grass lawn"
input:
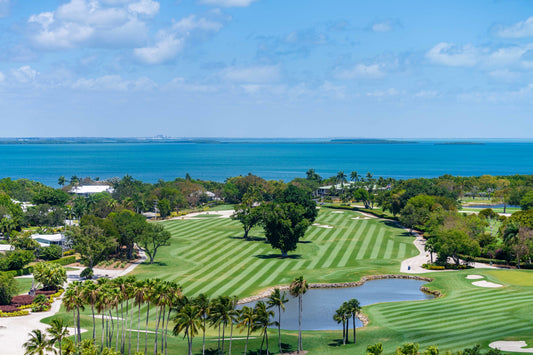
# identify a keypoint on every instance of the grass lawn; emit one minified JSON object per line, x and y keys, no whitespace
{"x":209,"y":256}
{"x":497,"y":209}
{"x":23,"y":284}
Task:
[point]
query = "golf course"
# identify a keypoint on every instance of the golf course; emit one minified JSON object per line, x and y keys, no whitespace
{"x":209,"y":256}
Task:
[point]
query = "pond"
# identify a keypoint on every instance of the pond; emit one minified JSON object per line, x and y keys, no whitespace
{"x":320,"y":304}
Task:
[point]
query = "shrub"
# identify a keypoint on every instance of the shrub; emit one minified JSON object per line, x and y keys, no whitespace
{"x":50,"y":275}
{"x":64,"y":261}
{"x":87,"y":273}
{"x":14,"y":314}
{"x":22,"y":300}
{"x":8,"y":288}
{"x":53,"y":252}
{"x":69,"y":252}
{"x":17,"y":259}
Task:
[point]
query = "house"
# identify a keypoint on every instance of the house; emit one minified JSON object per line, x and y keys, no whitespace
{"x":86,"y":190}
{"x":45,"y":240}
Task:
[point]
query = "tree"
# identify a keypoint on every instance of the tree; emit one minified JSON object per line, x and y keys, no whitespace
{"x":153,"y":237}
{"x":204,"y":305}
{"x":164,"y":208}
{"x":57,"y":333}
{"x":246,"y":321}
{"x":340,"y":316}
{"x":7,"y":225}
{"x":246,"y":212}
{"x":91,"y":242}
{"x":52,"y":252}
{"x":312,"y":175}
{"x":451,"y":243}
{"x":284,"y":225}
{"x":300,"y":197}
{"x":354,"y":176}
{"x":61,"y":181}
{"x":353,"y":307}
{"x":278,"y":299}
{"x":362,"y":195}
{"x":407,"y":349}
{"x":188,"y":321}
{"x":37,"y":344}
{"x":526,"y":202}
{"x":297,"y":288}
{"x":8,"y":288}
{"x":129,"y":226}
{"x":50,"y":196}
{"x":50,"y":275}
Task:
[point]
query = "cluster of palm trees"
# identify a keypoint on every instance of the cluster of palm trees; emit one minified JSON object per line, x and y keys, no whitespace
{"x":349,"y":309}
{"x":119,"y":302}
{"x":115,"y":301}
{"x":39,"y":343}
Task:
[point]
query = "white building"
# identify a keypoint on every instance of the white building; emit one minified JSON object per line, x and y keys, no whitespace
{"x":86,"y":190}
{"x":45,"y":240}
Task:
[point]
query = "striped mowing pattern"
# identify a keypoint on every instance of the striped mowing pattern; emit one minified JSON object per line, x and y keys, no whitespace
{"x":473,"y":315}
{"x":209,"y":255}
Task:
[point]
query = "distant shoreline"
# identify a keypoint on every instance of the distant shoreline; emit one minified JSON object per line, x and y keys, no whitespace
{"x":168,"y":140}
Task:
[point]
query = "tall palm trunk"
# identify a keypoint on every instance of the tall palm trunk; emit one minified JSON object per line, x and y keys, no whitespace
{"x":219,"y":338}
{"x":247,"y":337}
{"x":223,"y":336}
{"x":300,"y":324}
{"x":102,"y":340}
{"x":146,"y":333}
{"x":166,"y":328}
{"x":279,"y":329}
{"x":138,"y":326}
{"x":78,"y":324}
{"x":262,"y":342}
{"x":112,"y":328}
{"x":230,"y":338}
{"x":156,"y":328}
{"x":163,"y":328}
{"x":266,"y":337}
{"x":94,"y":322}
{"x":118,"y":328}
{"x":203,"y":337}
{"x":353,"y":323}
{"x":76,"y":336}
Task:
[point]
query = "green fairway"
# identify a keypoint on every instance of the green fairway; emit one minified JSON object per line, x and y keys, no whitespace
{"x":23,"y":284}
{"x":210,"y":256}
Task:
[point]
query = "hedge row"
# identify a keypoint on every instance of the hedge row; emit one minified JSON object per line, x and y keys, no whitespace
{"x":376,"y":213}
{"x":14,"y":314}
{"x":485,"y":260}
{"x":28,"y":270}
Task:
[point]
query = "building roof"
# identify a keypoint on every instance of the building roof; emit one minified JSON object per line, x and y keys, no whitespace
{"x":48,"y":237}
{"x":91,"y":189}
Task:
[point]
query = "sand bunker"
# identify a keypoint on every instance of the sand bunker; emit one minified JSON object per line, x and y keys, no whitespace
{"x":322,"y":225}
{"x":337,"y":212}
{"x":486,"y":284}
{"x":474,"y":277}
{"x":514,"y":346}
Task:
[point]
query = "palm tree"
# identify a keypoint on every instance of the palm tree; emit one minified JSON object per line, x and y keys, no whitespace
{"x":297,"y":288}
{"x":37,"y":344}
{"x":353,"y":307}
{"x":340,"y":317}
{"x":354,"y":176}
{"x":89,"y":293}
{"x":73,"y":302}
{"x":158,"y":299}
{"x":61,"y":181}
{"x":148,"y":296}
{"x":262,"y":322}
{"x":188,"y":321}
{"x":57,"y":332}
{"x":375,"y":349}
{"x":139,"y":290}
{"x":234,"y":316}
{"x":278,"y":299}
{"x":341,"y":178}
{"x":246,"y":320}
{"x":175,"y":297}
{"x":221,"y":315}
{"x":203,"y":304}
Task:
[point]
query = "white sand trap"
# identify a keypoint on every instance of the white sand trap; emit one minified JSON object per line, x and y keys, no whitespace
{"x":337,"y":212}
{"x":474,"y":277}
{"x":486,"y":284}
{"x":514,"y":346}
{"x":322,"y":225}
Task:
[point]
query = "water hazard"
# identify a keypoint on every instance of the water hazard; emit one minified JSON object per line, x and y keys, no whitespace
{"x":320,"y":304}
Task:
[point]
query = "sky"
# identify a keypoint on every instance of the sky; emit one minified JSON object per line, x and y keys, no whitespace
{"x":266,"y":68}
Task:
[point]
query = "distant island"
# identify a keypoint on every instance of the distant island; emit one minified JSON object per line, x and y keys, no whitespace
{"x":369,"y":141}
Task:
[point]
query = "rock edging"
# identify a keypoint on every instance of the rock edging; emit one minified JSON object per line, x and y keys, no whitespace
{"x":361,"y":316}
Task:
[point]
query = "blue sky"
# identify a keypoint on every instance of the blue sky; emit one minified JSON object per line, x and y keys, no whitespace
{"x":266,"y":68}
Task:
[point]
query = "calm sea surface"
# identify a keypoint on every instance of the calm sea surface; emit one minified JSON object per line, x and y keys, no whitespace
{"x":151,"y":162}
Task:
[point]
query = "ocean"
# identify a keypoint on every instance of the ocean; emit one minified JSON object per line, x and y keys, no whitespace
{"x":150,"y":162}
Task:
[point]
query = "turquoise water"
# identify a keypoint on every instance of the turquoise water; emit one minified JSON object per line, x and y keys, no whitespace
{"x":151,"y":162}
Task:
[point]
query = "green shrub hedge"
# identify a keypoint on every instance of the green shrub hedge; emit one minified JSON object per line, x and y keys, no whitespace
{"x":64,"y":261}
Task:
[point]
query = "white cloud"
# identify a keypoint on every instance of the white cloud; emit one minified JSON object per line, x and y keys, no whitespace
{"x":92,"y":23}
{"x":182,"y":84}
{"x":426,"y":94}
{"x":504,"y":75}
{"x":165,"y":49}
{"x":2,"y":77}
{"x":518,"y":30}
{"x":451,"y":55}
{"x":4,"y":8}
{"x":114,"y":83}
{"x":228,"y":3}
{"x":371,"y":71}
{"x":382,"y":27}
{"x":169,"y":42}
{"x":145,"y":7}
{"x":25,"y":74}
{"x":253,"y":75}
